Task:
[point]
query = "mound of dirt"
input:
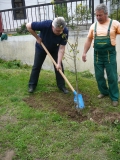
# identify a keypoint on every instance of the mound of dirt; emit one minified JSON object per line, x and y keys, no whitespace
{"x":64,"y":105}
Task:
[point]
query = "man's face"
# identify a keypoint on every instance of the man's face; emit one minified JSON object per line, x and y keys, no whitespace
{"x":101,"y":16}
{"x":57,"y":30}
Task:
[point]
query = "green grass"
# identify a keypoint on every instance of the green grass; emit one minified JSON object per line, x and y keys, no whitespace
{"x":43,"y":134}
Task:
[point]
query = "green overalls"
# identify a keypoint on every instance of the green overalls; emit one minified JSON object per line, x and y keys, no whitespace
{"x":105,"y":58}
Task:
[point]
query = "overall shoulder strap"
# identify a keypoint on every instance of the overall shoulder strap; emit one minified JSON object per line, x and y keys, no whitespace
{"x":108,"y":33}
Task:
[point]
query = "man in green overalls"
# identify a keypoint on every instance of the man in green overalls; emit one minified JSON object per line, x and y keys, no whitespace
{"x":104,"y":32}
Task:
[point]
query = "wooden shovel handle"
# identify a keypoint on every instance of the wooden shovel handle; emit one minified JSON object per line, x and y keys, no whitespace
{"x":56,"y":65}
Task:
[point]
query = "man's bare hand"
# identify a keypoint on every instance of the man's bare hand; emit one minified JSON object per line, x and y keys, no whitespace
{"x":39,"y":40}
{"x":58,"y":67}
{"x":84,"y":57}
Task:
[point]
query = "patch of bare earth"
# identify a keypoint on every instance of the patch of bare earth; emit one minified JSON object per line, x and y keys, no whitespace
{"x":8,"y":155}
{"x":64,"y":105}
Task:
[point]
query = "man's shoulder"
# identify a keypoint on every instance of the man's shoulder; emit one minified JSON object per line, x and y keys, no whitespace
{"x":92,"y":26}
{"x":115,"y":21}
{"x":47,"y":22}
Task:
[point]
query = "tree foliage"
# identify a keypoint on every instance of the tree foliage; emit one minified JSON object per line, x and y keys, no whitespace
{"x":115,"y":15}
{"x":62,"y":10}
{"x":22,"y":29}
{"x":82,"y":14}
{"x":115,"y":9}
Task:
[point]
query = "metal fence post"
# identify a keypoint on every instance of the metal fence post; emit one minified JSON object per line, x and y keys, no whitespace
{"x":92,"y":11}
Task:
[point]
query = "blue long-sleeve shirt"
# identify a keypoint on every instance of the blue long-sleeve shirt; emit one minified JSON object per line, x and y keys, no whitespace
{"x":50,"y":40}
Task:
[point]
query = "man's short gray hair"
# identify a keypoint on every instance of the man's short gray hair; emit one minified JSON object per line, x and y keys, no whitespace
{"x":59,"y":22}
{"x":103,"y":7}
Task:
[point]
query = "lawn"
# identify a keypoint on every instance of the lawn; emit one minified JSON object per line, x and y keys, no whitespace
{"x":46,"y":125}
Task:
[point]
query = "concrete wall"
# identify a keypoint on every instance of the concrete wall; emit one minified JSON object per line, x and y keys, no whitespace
{"x":22,"y":48}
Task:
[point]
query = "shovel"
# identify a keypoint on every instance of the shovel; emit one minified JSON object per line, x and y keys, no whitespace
{"x":78,"y":100}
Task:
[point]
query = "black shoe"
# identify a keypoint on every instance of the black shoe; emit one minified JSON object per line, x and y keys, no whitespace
{"x":64,"y":90}
{"x":31,"y":89}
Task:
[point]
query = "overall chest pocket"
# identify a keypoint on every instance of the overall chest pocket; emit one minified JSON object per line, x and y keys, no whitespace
{"x":102,"y":42}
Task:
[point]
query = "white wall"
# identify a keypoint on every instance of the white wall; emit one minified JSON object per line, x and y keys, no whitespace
{"x":5,"y":4}
{"x":22,"y":48}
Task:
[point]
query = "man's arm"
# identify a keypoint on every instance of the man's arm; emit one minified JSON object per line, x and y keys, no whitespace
{"x":86,"y":48}
{"x":29,"y":28}
{"x":61,"y":52}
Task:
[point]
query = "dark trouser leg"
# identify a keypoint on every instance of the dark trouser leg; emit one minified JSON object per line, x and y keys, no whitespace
{"x":101,"y":81}
{"x":111,"y":69}
{"x":99,"y":73}
{"x":107,"y":61}
{"x":59,"y":78}
{"x":38,"y":61}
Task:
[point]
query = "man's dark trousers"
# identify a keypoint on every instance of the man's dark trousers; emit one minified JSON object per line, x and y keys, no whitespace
{"x":39,"y":58}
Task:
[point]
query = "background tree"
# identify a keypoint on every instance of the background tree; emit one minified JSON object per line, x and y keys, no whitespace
{"x":115,"y":9}
{"x":82,"y":14}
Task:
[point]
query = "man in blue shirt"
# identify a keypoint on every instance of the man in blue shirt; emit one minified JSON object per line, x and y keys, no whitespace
{"x":54,"y":35}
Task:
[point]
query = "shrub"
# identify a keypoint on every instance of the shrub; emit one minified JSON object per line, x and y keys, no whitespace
{"x":22,"y":29}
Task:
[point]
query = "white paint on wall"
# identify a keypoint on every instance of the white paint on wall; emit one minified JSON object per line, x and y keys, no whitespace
{"x":23,"y":48}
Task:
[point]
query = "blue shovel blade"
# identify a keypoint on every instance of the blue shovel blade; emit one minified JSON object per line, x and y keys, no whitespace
{"x":78,"y":100}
